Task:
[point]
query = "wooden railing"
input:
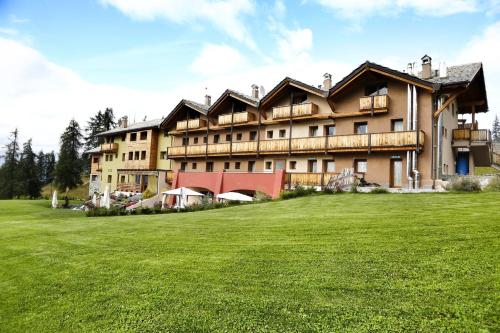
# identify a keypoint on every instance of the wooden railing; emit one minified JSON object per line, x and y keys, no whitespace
{"x":298,"y":110}
{"x":129,"y":187}
{"x":461,"y":134}
{"x":190,"y":124}
{"x":308,"y":178}
{"x":109,"y":147}
{"x":368,"y":103}
{"x":238,"y":118}
{"x":405,"y":140}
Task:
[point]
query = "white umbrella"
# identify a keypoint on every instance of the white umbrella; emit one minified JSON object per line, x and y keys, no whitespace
{"x":54,"y":199}
{"x":94,"y":200}
{"x":234,"y":196}
{"x":105,"y":202}
{"x":163,"y":200}
{"x":182,"y":193}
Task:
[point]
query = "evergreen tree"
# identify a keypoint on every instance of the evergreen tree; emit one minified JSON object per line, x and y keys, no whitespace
{"x":102,"y":121}
{"x":50,"y":167}
{"x":495,"y":131}
{"x":69,"y":166}
{"x":9,"y":172}
{"x":30,"y":184}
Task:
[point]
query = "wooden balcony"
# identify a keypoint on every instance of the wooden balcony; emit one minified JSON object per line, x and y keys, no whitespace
{"x":467,"y":134}
{"x":109,"y":147}
{"x":298,"y":110}
{"x":238,"y":118}
{"x":308,"y":178}
{"x":130,"y":187}
{"x":369,"y":103}
{"x":389,"y":141}
{"x":190,"y":124}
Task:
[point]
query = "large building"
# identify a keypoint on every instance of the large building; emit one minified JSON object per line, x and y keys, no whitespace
{"x":396,"y":129}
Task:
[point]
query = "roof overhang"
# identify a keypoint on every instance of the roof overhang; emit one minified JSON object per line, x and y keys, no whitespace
{"x":228,"y":94}
{"x":178,"y":108}
{"x":286,"y":83}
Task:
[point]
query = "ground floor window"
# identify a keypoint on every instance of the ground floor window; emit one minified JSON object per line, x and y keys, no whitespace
{"x":312,"y":166}
{"x":209,"y":167}
{"x":237,"y":165}
{"x":251,"y":166}
{"x":194,"y":166}
{"x":360,"y":166}
{"x":122,"y":179}
{"x":183,"y":166}
{"x":329,"y":166}
{"x":94,"y":178}
{"x":293,"y":165}
{"x":227,"y":165}
{"x":110,"y":178}
{"x":269,"y":165}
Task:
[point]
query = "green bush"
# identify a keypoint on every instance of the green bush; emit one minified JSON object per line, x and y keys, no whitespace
{"x":354,"y":186}
{"x":298,"y":191}
{"x":105,"y":212}
{"x":379,"y":190}
{"x":494,"y":184}
{"x":464,"y":184}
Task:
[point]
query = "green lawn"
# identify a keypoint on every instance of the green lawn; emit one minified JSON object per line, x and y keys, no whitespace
{"x":351,"y":262}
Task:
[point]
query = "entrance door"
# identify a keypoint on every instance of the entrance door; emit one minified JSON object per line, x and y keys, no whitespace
{"x":396,"y":173}
{"x":279,"y":165}
{"x":463,"y":163}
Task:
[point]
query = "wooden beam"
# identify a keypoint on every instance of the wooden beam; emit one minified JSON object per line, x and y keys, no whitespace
{"x":473,"y":103}
{"x":446,"y":104}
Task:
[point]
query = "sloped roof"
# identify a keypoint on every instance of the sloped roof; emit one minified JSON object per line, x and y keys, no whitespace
{"x":292,"y":82}
{"x":235,"y":94}
{"x":201,"y":108}
{"x":95,"y":150}
{"x":134,"y":127}
{"x":458,"y":74}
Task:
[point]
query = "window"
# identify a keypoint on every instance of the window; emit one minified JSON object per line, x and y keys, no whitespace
{"x":106,"y":157}
{"x":360,"y":166}
{"x":144,"y":135}
{"x":195,"y":140}
{"x":163,"y":155}
{"x":204,"y":139}
{"x":293,"y":165}
{"x":143,"y":155}
{"x":376,"y":89}
{"x":194,"y":166}
{"x":183,"y":166}
{"x":329,"y":166}
{"x":282,"y":133}
{"x":237,"y":165}
{"x":269,"y":165}
{"x":209,"y":167}
{"x":111,"y":158}
{"x":312,"y":166}
{"x":130,"y":155}
{"x":313,"y":130}
{"x":253,"y":135}
{"x":96,"y":160}
{"x":228,"y":137}
{"x":397,"y":125}
{"x":94,"y":178}
{"x":269,"y":134}
{"x":110,"y":178}
{"x":330,"y":130}
{"x":123,"y":157}
{"x":251,"y":166}
{"x":122,"y":179}
{"x":124,"y":137}
{"x":216,"y":138}
{"x":133,"y":136}
{"x":136,"y":155}
{"x":299,"y":98}
{"x":226,"y":165}
{"x":361,"y":128}
{"x":239,"y":136}
{"x":185,"y":141}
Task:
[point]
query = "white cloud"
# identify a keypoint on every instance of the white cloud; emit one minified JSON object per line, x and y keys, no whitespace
{"x":18,"y":20}
{"x":485,"y":48}
{"x":226,"y":15}
{"x":295,"y":43}
{"x":8,"y":31}
{"x":217,"y":59}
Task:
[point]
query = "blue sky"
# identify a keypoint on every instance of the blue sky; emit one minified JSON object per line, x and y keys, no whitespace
{"x":67,"y":59}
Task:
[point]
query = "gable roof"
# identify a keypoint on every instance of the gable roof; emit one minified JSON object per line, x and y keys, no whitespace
{"x":458,"y":74}
{"x":237,"y":95}
{"x":134,"y":127}
{"x":287,"y":81}
{"x":371,"y":66}
{"x":198,"y":107}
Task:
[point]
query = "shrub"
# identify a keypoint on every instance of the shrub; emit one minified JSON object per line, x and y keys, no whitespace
{"x":261,"y":196}
{"x":354,"y":186}
{"x":105,"y":212}
{"x":494,"y":184}
{"x":379,"y":190}
{"x":148,"y":194}
{"x":298,"y":191}
{"x":464,"y":184}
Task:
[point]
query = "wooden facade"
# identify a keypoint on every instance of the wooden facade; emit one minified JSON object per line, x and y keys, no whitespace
{"x":298,"y":110}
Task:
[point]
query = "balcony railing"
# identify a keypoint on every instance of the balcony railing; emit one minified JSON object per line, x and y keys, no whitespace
{"x":369,"y":103}
{"x":190,"y":124}
{"x":467,"y":134}
{"x":130,"y":187}
{"x":238,"y":118}
{"x":298,"y":110}
{"x":406,"y":140}
{"x":109,"y":147}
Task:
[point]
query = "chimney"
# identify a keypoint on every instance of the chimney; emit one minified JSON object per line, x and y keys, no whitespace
{"x":255,"y":91}
{"x":426,"y":67}
{"x":124,"y":123}
{"x":327,"y":82}
{"x":443,"y":70}
{"x":208,"y":100}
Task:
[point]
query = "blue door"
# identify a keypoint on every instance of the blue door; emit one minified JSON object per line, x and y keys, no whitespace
{"x":463,"y":163}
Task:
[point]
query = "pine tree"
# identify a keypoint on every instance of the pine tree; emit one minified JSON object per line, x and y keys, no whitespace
{"x":9,"y":172}
{"x":102,"y":121}
{"x":69,"y":166}
{"x":108,"y":119}
{"x":30,"y":184}
{"x":50,"y":167}
{"x":495,"y":131}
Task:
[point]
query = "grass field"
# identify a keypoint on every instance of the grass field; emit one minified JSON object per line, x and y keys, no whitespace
{"x":350,"y":262}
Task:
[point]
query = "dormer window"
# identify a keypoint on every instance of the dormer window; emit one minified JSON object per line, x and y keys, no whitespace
{"x":376,"y":89}
{"x":299,"y":98}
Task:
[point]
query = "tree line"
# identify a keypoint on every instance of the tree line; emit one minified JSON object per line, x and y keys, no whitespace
{"x":24,"y":173}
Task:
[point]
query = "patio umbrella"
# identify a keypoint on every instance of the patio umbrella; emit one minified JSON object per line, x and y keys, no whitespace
{"x":234,"y":196}
{"x":182,"y":193}
{"x":54,"y":199}
{"x":105,"y":201}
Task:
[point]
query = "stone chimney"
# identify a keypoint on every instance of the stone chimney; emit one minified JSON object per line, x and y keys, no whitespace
{"x":124,"y":122}
{"x":426,"y":67}
{"x":327,"y":82}
{"x":255,"y":91}
{"x":208,"y":100}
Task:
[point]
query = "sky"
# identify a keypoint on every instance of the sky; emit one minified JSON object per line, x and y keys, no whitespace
{"x":68,"y":59}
